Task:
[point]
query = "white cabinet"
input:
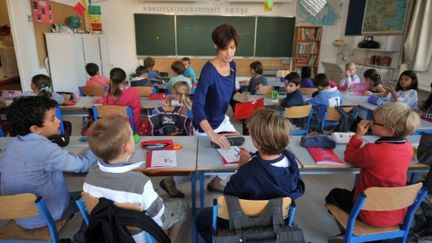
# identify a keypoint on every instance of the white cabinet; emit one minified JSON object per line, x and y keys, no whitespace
{"x":69,"y":53}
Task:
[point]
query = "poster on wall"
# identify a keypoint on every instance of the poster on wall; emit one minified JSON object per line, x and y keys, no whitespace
{"x":384,"y":17}
{"x":42,"y":11}
{"x":94,"y":16}
{"x":319,"y":12}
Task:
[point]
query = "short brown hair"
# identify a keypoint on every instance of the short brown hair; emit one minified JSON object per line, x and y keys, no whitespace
{"x":149,"y":62}
{"x":270,"y":131}
{"x":108,"y":135}
{"x":178,"y":67}
{"x":186,"y":59}
{"x":223,"y":34}
{"x":398,"y":116}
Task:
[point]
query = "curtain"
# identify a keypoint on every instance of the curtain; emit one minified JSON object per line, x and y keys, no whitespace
{"x":418,"y":43}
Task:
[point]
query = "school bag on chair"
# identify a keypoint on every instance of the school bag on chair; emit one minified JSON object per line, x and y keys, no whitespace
{"x":267,"y":227}
{"x":169,"y":123}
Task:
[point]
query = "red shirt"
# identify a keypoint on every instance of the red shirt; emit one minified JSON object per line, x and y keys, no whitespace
{"x":98,"y":81}
{"x":382,"y":164}
{"x":129,"y":97}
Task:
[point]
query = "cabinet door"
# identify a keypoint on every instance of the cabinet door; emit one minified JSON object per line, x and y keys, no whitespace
{"x":105,"y":66}
{"x":91,"y":49}
{"x":66,"y":61}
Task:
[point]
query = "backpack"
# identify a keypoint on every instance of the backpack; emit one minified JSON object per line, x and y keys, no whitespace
{"x":421,"y":231}
{"x":108,"y":224}
{"x":62,"y":140}
{"x":268,"y":227}
{"x":348,"y":120}
{"x":169,"y":123}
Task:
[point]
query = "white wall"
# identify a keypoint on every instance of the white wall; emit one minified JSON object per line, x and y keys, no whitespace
{"x":118,"y":25}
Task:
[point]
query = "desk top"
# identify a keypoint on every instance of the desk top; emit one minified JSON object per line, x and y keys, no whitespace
{"x":87,"y":102}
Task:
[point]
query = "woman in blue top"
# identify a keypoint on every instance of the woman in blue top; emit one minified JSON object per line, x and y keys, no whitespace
{"x":215,"y":89}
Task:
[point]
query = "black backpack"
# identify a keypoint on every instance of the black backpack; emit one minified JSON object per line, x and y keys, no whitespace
{"x":108,"y":224}
{"x":348,"y":120}
{"x":169,"y":123}
{"x":267,"y":227}
{"x":62,"y":140}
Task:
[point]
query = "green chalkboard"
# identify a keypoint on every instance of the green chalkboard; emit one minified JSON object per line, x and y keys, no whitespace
{"x":154,"y":34}
{"x":275,"y":36}
{"x":194,"y":34}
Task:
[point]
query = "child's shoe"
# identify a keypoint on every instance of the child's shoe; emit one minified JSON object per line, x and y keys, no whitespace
{"x":169,"y":186}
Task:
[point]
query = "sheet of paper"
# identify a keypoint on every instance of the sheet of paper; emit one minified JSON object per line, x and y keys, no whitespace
{"x":231,"y":155}
{"x":163,"y":158}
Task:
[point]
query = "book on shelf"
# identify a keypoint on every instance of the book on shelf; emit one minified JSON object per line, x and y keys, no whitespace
{"x":161,"y":158}
{"x":310,"y":33}
{"x":324,"y":156}
{"x":231,"y":156}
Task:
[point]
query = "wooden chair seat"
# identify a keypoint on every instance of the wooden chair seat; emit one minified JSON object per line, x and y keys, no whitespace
{"x":360,"y":228}
{"x":13,"y":231}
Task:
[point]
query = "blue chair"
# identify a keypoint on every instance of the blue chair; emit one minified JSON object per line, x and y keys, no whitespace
{"x":300,"y":112}
{"x":27,"y":205}
{"x":87,"y":203}
{"x":105,"y":110}
{"x":1,"y":132}
{"x":59,"y":115}
{"x":250,"y":207}
{"x":380,"y":199}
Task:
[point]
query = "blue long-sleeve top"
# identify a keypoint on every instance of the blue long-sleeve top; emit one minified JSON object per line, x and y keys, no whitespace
{"x":213,"y":95}
{"x":327,"y":97}
{"x":262,"y":179}
{"x":34,"y":164}
{"x":293,"y":99}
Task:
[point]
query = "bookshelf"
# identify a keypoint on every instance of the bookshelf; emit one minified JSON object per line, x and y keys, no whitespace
{"x":307,"y":47}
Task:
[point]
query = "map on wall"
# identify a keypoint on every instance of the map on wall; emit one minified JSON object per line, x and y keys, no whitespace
{"x":321,"y":12}
{"x":384,"y":16}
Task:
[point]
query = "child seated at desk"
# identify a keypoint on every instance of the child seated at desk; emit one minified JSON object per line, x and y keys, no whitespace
{"x":257,"y":79}
{"x":41,"y":85}
{"x":269,"y":173}
{"x":306,"y":81}
{"x":374,"y":81}
{"x":149,"y":64}
{"x":179,"y":69}
{"x":32,"y":163}
{"x":406,"y":89}
{"x":425,"y":109}
{"x":350,"y":76}
{"x":179,"y":97}
{"x":114,"y":176}
{"x":327,"y":96}
{"x":141,"y":78}
{"x":119,"y":94}
{"x":383,"y":163}
{"x":96,"y":79}
{"x":189,"y":72}
{"x":294,"y":97}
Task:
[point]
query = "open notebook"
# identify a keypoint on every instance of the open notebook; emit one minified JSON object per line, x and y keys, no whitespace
{"x":231,"y":156}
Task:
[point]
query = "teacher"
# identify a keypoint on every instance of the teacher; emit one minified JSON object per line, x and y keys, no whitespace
{"x":215,"y":89}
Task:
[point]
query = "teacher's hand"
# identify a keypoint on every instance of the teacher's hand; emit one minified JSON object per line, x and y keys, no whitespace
{"x":219,"y":139}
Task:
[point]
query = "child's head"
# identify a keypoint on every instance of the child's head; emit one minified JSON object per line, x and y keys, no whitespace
{"x":149,"y":62}
{"x":292,"y":82}
{"x":306,"y":72}
{"x":111,"y":137}
{"x":141,"y":71}
{"x":321,"y":81}
{"x":186,"y":62}
{"x":256,"y":67}
{"x":33,"y":114}
{"x":117,"y":78}
{"x":394,"y":119}
{"x":407,"y":80}
{"x":372,"y":76}
{"x":269,"y":131}
{"x":41,"y":85}
{"x":181,"y":89}
{"x":92,"y":69}
{"x":350,"y":67}
{"x":226,"y":38}
{"x":178,"y":67}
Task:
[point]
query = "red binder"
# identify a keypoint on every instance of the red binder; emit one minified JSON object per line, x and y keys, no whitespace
{"x":245,"y":110}
{"x":324,"y":156}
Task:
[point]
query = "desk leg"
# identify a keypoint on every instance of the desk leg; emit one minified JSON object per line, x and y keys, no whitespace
{"x":202,"y":189}
{"x":193,"y":197}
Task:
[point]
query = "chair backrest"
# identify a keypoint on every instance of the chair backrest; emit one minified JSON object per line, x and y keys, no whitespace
{"x":143,"y":91}
{"x":300,"y":111}
{"x":91,"y":202}
{"x":101,"y":111}
{"x":308,"y":91}
{"x":264,"y":90}
{"x":390,"y":198}
{"x":334,"y":115}
{"x":251,"y":207}
{"x":59,"y":115}
{"x":18,"y":206}
{"x":92,"y":91}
